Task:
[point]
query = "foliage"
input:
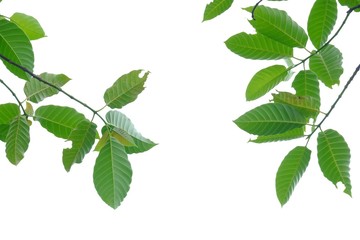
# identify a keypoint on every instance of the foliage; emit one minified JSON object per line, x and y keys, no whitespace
{"x":291,"y":111}
{"x":112,"y":171}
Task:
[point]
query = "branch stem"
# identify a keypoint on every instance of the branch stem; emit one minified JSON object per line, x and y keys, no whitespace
{"x":17,"y":99}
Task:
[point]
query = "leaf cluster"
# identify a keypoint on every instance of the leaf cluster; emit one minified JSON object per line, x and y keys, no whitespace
{"x":116,"y":138}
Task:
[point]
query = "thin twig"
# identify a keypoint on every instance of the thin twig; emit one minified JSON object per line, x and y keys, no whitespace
{"x":253,"y":10}
{"x":336,"y":101}
{"x":52,"y":85}
{"x":17,"y":99}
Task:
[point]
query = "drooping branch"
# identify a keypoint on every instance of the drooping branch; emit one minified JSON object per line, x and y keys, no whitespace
{"x":13,"y":93}
{"x":336,"y":101}
{"x":52,"y":85}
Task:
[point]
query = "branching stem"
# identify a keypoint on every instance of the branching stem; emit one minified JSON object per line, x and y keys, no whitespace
{"x":17,"y":99}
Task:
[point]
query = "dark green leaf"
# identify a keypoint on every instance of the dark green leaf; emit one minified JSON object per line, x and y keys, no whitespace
{"x":277,"y":25}
{"x":8,"y":112}
{"x":289,"y":135}
{"x":58,"y":120}
{"x":290,"y":171}
{"x":112,"y":173}
{"x":334,"y":158}
{"x":29,"y":25}
{"x":120,"y":121}
{"x":17,"y":139}
{"x":327,"y":65}
{"x":36,"y":91}
{"x":215,"y":8}
{"x":321,"y":21}
{"x":306,"y":84}
{"x":271,"y":119}
{"x":15,"y":45}
{"x":83,"y":138}
{"x":257,"y":46}
{"x":125,"y":90}
{"x":265,"y":80}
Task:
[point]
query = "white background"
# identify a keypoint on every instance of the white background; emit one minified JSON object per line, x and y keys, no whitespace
{"x":203,"y":180}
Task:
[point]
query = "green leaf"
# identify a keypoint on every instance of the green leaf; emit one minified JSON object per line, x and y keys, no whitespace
{"x":8,"y":112}
{"x":102,"y":141}
{"x":277,"y":25}
{"x":321,"y":21}
{"x":37,"y":91}
{"x":257,"y":46}
{"x":265,"y":80}
{"x":215,"y":8}
{"x":290,"y":171}
{"x":270,"y":119}
{"x":58,"y":120}
{"x":304,"y":104}
{"x":15,"y":45}
{"x":289,"y":135}
{"x":334,"y":158}
{"x":17,"y":139}
{"x":306,"y":84}
{"x":112,"y":173}
{"x":120,"y":121}
{"x":123,"y":137}
{"x":125,"y":90}
{"x":350,"y":3}
{"x":29,"y":25}
{"x":327,"y":65}
{"x":83,"y":138}
{"x":29,"y":109}
{"x":4,"y":129}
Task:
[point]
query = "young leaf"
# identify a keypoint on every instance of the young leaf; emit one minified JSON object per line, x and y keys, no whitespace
{"x":304,"y":104}
{"x":257,"y":47}
{"x":102,"y":141}
{"x":215,"y":8}
{"x":290,"y":171}
{"x":58,"y":120}
{"x":83,"y":138}
{"x":125,"y":90}
{"x":123,"y":137}
{"x":306,"y":84}
{"x":15,"y":45}
{"x":29,"y":25}
{"x":321,"y":21}
{"x":265,"y":80}
{"x":8,"y":112}
{"x":277,"y":25}
{"x":112,"y":173}
{"x":289,"y":135}
{"x":120,"y":121}
{"x":29,"y":109}
{"x":334,"y":158}
{"x":17,"y":139}
{"x":270,"y":119}
{"x":36,"y":91}
{"x":327,"y":65}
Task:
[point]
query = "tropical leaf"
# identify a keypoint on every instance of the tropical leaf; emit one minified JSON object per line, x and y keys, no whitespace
{"x":271,"y":119}
{"x":125,"y":90}
{"x":350,"y":3}
{"x":29,"y":25}
{"x":120,"y":121}
{"x":17,"y":139}
{"x":289,"y":135}
{"x":334,"y":158}
{"x":215,"y":8}
{"x":265,"y":80}
{"x":290,"y":171}
{"x":327,"y":65}
{"x":15,"y":45}
{"x":278,"y":25}
{"x":257,"y":46}
{"x":304,"y":104}
{"x":321,"y":21}
{"x":306,"y":84}
{"x":37,"y":91}
{"x":112,"y":173}
{"x":58,"y":120}
{"x":83,"y":138}
{"x":8,"y":112}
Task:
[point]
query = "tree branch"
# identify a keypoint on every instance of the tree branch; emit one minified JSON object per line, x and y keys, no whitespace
{"x":17,"y":99}
{"x":52,"y":85}
{"x":336,"y":101}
